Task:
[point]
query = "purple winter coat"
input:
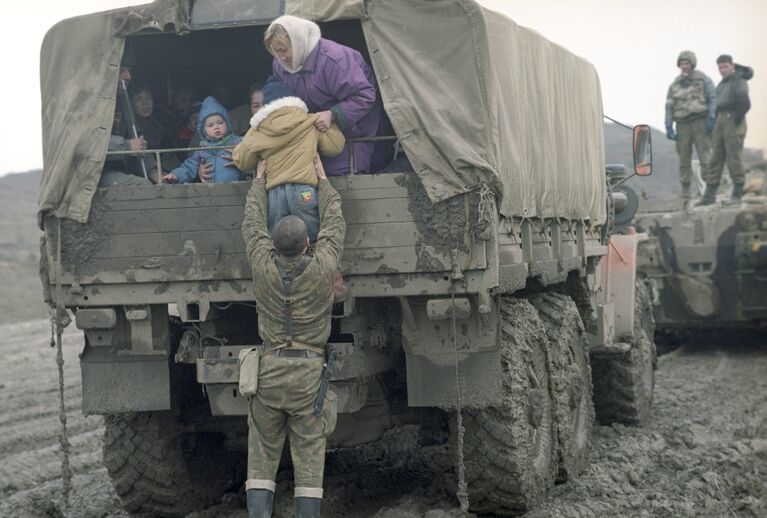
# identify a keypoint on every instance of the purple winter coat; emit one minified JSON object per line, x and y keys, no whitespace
{"x":334,"y":77}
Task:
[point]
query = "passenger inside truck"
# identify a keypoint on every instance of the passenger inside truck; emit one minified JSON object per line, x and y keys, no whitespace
{"x":206,"y":61}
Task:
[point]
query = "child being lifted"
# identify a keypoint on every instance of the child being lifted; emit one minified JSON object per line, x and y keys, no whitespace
{"x":283,"y":134}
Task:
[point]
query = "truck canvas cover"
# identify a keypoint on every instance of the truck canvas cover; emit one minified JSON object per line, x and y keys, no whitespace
{"x":475,"y":99}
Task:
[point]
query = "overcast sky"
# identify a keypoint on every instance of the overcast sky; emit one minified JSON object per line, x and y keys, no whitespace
{"x":632,"y":43}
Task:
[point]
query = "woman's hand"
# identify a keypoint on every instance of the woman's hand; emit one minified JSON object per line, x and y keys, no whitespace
{"x":261,"y":169}
{"x":227,"y":155}
{"x":169,"y":178}
{"x":323,"y":120}
{"x":319,"y":168}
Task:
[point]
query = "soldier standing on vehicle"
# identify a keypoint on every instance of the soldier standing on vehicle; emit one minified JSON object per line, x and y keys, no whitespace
{"x":294,"y":294}
{"x":690,"y":103}
{"x":732,"y":103}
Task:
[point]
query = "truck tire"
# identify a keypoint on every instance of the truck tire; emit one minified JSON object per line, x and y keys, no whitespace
{"x":510,"y":449}
{"x":159,"y":469}
{"x":570,"y":373}
{"x":624,"y":383}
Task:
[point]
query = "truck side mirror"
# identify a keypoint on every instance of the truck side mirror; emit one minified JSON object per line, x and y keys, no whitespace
{"x":642,"y":150}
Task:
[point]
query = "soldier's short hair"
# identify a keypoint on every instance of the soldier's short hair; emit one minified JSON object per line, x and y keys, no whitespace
{"x":724,"y":58}
{"x":289,"y":236}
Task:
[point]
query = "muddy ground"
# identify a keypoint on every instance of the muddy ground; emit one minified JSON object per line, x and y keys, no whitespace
{"x":704,"y":454}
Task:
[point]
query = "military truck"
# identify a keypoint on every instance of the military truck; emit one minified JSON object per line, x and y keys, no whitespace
{"x":706,"y":266}
{"x":485,"y":284}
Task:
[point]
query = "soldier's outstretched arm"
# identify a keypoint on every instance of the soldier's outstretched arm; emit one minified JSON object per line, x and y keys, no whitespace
{"x":258,"y":244}
{"x":330,"y":240}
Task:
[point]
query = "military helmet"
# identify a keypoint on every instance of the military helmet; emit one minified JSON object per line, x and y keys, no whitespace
{"x":689,"y":56}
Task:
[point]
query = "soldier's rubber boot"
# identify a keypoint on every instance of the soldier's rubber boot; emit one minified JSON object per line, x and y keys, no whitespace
{"x":709,"y":196}
{"x":307,"y":507}
{"x":737,"y":193}
{"x":260,"y":503}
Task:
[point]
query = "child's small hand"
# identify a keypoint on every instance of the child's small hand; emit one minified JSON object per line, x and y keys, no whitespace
{"x":319,"y":168}
{"x":169,"y":178}
{"x":261,"y":170}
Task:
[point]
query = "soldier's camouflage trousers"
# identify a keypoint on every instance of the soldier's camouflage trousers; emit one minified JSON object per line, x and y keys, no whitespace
{"x":689,"y":134}
{"x":727,"y":144}
{"x":284,"y":406}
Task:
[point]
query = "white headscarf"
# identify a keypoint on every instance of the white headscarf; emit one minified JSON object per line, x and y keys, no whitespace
{"x":304,"y":36}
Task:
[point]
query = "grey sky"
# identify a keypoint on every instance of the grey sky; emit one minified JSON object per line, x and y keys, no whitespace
{"x":632,"y":44}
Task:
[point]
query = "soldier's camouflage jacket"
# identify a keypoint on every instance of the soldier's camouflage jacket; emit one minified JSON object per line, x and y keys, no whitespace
{"x":690,"y":97}
{"x":313,"y":289}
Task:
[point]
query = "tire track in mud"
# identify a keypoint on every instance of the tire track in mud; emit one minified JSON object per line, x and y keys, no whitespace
{"x":704,"y":453}
{"x":30,"y":461}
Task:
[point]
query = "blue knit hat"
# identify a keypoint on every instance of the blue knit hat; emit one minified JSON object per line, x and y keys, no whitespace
{"x":275,"y":89}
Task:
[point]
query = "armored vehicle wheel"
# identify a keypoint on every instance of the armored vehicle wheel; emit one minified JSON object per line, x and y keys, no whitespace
{"x":510,"y":449}
{"x":624,"y":383}
{"x":570,"y":380}
{"x":159,"y":469}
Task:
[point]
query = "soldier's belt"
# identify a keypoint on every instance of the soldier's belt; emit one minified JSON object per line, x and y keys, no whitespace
{"x":293,"y":352}
{"x":270,"y":348}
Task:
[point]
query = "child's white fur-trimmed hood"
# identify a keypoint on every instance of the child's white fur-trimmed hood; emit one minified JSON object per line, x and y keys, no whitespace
{"x":268,"y":109}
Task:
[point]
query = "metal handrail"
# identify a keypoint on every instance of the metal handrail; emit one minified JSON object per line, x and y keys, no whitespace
{"x":158,"y":152}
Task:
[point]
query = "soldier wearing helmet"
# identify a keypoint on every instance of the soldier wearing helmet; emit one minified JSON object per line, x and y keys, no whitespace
{"x":691,"y":104}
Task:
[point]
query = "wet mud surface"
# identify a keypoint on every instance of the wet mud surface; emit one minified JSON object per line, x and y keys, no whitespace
{"x":703,"y":454}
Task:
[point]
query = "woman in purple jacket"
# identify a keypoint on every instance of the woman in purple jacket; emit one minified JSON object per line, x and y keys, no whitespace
{"x":333,"y":80}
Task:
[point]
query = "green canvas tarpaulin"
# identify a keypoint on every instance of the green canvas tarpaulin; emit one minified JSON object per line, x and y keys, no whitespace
{"x":474,"y":98}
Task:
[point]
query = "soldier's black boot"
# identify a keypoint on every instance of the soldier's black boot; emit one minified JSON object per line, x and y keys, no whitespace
{"x":260,"y":503}
{"x":709,"y":196}
{"x":737,"y":193}
{"x":307,"y":507}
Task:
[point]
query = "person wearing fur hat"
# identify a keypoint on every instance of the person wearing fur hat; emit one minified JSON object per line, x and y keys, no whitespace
{"x":333,"y":80}
{"x":284,"y":133}
{"x":732,"y":104}
{"x":690,"y":103}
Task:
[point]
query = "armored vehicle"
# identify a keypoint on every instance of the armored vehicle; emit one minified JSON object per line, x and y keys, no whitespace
{"x":707,"y":266}
{"x":480,"y":282}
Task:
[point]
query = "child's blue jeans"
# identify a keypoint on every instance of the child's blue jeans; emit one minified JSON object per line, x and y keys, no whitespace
{"x":297,"y":199}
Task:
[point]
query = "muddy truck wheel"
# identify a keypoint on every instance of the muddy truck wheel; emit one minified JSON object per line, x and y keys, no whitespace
{"x":624,"y":383}
{"x":510,"y":449}
{"x":159,"y":469}
{"x":570,"y":373}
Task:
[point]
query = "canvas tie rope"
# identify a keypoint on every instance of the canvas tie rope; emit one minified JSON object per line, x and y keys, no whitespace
{"x":462,"y":493}
{"x":66,"y":469}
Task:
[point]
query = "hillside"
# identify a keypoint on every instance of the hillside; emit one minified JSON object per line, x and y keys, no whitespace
{"x":19,"y":249}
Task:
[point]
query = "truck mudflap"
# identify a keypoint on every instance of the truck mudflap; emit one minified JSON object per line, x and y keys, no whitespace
{"x":616,"y":298}
{"x":451,"y":347}
{"x":124,"y":383}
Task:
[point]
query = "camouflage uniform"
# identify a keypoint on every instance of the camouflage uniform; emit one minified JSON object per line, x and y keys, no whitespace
{"x":689,"y":102}
{"x":287,"y":387}
{"x":732,"y":103}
